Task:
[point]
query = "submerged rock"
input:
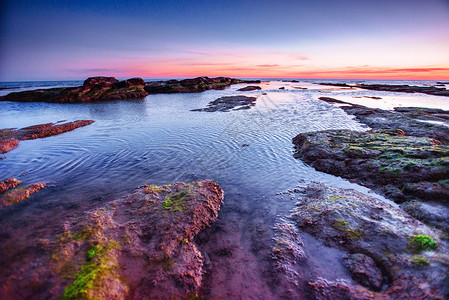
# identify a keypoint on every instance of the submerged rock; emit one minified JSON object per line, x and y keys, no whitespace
{"x":228,"y":103}
{"x":250,"y":88}
{"x":193,"y":85}
{"x":17,"y":195}
{"x":401,"y":167}
{"x":93,"y":89}
{"x":8,"y":184}
{"x":379,"y":239}
{"x":430,"y":90}
{"x":141,"y":246}
{"x":9,"y":138}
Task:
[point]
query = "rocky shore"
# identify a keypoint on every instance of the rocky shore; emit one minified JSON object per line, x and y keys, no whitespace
{"x":10,"y":137}
{"x":193,"y":85}
{"x":402,"y":157}
{"x":139,"y":246}
{"x":387,"y":253}
{"x":97,"y":89}
{"x":430,"y":90}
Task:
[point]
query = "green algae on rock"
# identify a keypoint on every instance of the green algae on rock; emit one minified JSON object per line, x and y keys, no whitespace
{"x":132,"y":247}
{"x":401,"y":167}
{"x":17,"y":195}
{"x":381,"y":261}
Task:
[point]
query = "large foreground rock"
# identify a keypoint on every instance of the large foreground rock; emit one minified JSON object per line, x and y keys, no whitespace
{"x":390,"y":255}
{"x":141,"y":246}
{"x":93,"y":89}
{"x":9,"y":138}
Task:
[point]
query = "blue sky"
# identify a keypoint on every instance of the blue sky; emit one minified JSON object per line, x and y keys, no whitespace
{"x":48,"y":40}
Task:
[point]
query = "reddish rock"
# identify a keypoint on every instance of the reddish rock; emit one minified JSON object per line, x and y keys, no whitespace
{"x":141,"y":246}
{"x":9,"y":138}
{"x":193,"y":85}
{"x":19,"y":194}
{"x":103,"y":81}
{"x":8,"y":184}
{"x":93,"y":89}
{"x":6,"y":146}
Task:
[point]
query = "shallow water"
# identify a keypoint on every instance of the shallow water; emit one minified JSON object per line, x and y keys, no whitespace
{"x":158,"y":140}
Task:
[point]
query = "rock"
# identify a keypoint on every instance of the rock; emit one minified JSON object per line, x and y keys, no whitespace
{"x":406,"y":119}
{"x":19,"y":194}
{"x":8,"y":184}
{"x":93,"y":89}
{"x":100,"y":81}
{"x":9,"y":138}
{"x":401,"y":167}
{"x":250,"y":88}
{"x":140,"y":246}
{"x":432,"y":213}
{"x":8,"y":145}
{"x":193,"y":85}
{"x":430,"y":90}
{"x":228,"y":103}
{"x":332,"y":100}
{"x":378,"y":237}
{"x":364,"y":271}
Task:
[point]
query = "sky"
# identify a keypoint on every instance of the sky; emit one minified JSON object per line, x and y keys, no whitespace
{"x":382,"y":39}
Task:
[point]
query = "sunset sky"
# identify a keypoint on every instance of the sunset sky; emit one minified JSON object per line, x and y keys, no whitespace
{"x":382,"y":39}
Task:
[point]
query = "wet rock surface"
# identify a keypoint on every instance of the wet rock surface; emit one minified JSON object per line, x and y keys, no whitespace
{"x":193,"y":85}
{"x":401,"y":167}
{"x":9,"y":138}
{"x":430,"y":90}
{"x":16,"y":195}
{"x":140,"y":246}
{"x":407,"y":119}
{"x":8,"y":184}
{"x":250,"y":88}
{"x":364,"y":271}
{"x":378,"y":240}
{"x":93,"y":89}
{"x":229,"y":103}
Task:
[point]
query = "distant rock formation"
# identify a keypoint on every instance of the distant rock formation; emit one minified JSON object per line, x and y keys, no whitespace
{"x":93,"y":89}
{"x":250,"y":88}
{"x":194,"y":85}
{"x":430,"y":90}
